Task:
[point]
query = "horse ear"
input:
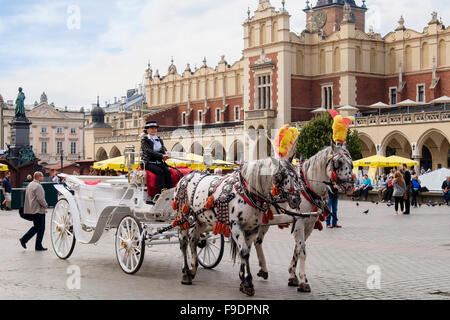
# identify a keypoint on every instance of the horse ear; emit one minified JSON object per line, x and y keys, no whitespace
{"x":332,"y":146}
{"x":345,"y":144}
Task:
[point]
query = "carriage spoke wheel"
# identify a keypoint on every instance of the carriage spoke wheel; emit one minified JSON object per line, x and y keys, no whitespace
{"x":130,"y":248}
{"x":210,"y":250}
{"x":62,"y":236}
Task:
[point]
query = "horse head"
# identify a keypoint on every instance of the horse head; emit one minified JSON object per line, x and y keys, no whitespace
{"x":340,"y":166}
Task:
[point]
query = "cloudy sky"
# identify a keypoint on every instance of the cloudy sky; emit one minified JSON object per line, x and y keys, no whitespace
{"x":75,"y":50}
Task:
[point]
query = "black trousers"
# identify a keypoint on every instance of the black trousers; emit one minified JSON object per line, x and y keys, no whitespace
{"x":398,"y":200}
{"x":163,"y":174}
{"x":414,"y":197}
{"x":37,"y":229}
{"x":408,"y":201}
{"x":388,"y":194}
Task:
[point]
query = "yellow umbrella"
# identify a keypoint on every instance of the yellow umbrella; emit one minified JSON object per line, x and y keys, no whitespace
{"x":375,"y":161}
{"x":117,"y":164}
{"x":3,"y":167}
{"x":397,"y":161}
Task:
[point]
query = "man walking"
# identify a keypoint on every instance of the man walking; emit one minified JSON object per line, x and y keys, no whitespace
{"x":7,"y":189}
{"x":446,"y":190}
{"x":333,"y":195}
{"x":35,"y":204}
{"x":407,"y":178}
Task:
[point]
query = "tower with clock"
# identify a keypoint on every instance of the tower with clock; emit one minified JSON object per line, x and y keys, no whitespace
{"x":327,"y":15}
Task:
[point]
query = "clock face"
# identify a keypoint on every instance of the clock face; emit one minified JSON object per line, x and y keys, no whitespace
{"x":320,"y":19}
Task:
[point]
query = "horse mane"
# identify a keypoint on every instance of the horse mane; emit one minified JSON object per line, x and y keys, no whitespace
{"x":259,"y":174}
{"x":321,"y":157}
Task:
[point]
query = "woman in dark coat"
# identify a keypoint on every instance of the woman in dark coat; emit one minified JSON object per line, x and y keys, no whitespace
{"x":154,"y":155}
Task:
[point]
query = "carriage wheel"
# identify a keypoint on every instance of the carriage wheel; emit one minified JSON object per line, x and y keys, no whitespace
{"x":130,"y":248}
{"x":61,"y":226}
{"x":210,"y":250}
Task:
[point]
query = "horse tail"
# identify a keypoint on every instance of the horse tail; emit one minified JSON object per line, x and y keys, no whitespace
{"x":233,"y":249}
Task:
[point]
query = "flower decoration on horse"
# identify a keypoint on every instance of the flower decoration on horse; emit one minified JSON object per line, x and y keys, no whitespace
{"x":340,"y":126}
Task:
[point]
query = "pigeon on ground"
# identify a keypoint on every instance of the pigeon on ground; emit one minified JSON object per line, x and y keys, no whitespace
{"x":433,"y":204}
{"x":420,"y":205}
{"x":376,"y":203}
{"x":389,"y":204}
{"x":366,"y":212}
{"x":357,"y":204}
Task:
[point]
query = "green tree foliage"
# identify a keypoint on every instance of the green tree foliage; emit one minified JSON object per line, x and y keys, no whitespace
{"x":318,"y":133}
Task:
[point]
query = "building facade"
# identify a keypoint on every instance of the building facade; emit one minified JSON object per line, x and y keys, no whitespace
{"x":283,"y":76}
{"x":52,"y":131}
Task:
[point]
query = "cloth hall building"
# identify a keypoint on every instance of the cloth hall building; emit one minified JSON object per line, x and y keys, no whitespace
{"x":283,"y":76}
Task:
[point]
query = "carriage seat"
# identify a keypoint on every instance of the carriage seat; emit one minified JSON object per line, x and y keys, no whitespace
{"x":152,"y":185}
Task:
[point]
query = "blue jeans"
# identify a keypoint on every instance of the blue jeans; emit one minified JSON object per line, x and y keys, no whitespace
{"x":333,"y":205}
{"x":446,"y":196}
{"x":37,"y":229}
{"x":365,"y":192}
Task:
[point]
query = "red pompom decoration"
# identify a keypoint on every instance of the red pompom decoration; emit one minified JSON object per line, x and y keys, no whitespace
{"x":265,"y":219}
{"x":209,"y":203}
{"x":223,"y":229}
{"x":270,"y":214}
{"x":334,"y":176}
{"x":321,"y":217}
{"x":185,"y":208}
{"x":175,"y":205}
{"x":227,"y":232}
{"x":275,"y":191}
{"x":215,"y":229}
{"x":187,"y":226}
{"x":318,"y":225}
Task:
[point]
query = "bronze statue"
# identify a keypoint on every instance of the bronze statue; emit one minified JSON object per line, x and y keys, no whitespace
{"x":20,"y":105}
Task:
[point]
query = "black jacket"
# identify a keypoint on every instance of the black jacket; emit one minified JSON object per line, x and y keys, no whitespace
{"x":148,"y":155}
{"x":407,"y":177}
{"x":445,"y":185}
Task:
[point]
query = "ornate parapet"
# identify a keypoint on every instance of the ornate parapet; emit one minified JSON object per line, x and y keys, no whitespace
{"x":396,"y":119}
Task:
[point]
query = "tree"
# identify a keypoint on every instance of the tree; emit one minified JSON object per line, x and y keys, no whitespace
{"x":318,"y":133}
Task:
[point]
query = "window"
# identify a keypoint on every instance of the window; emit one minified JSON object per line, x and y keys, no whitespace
{"x":73,"y":131}
{"x":263,"y":90}
{"x":392,"y":95}
{"x":44,"y":130}
{"x":59,"y":146}
{"x":73,"y":147}
{"x":236,"y":113}
{"x":200,"y":116}
{"x":420,"y":93}
{"x":121,"y":123}
{"x":44,"y":147}
{"x":59,"y":130}
{"x":327,"y":97}
{"x":135,"y":122}
{"x":183,"y":118}
{"x":217,"y":115}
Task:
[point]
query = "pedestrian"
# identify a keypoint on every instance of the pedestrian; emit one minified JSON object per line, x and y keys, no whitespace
{"x":333,"y":195}
{"x":446,"y":190}
{"x":415,"y":190}
{"x":7,"y":190}
{"x":29,"y":178}
{"x":36,"y":205}
{"x":366,"y":187}
{"x":399,"y":191}
{"x":390,"y":190}
{"x":407,"y":178}
{"x":54,"y":176}
{"x":382,"y":187}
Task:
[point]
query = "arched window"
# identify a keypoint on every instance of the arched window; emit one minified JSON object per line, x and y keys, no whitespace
{"x":337,"y":60}
{"x":275,"y":31}
{"x":425,"y":55}
{"x":373,"y":60}
{"x":299,"y":62}
{"x":262,"y":34}
{"x":322,"y":61}
{"x":251,"y":37}
{"x":392,"y":61}
{"x":408,"y":58}
{"x":442,"y":53}
{"x":358,"y":57}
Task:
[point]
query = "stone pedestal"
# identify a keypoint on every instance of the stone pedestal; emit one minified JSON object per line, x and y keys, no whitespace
{"x":20,"y":139}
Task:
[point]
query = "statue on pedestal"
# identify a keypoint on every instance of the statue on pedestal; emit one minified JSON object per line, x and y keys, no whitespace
{"x":20,"y":105}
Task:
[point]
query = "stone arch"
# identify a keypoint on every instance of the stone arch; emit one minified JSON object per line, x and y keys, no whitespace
{"x":425,"y":55}
{"x":197,"y":148}
{"x":337,"y":60}
{"x":178,"y":148}
{"x":236,"y":152}
{"x":368,"y":147}
{"x":398,"y":143}
{"x":218,"y":151}
{"x":437,"y":143}
{"x":114,"y":153}
{"x":101,"y":154}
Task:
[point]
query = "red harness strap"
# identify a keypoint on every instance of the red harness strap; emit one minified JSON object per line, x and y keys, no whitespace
{"x":246,"y":199}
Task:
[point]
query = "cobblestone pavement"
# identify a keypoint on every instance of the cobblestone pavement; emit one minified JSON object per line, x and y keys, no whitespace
{"x":411,"y":252}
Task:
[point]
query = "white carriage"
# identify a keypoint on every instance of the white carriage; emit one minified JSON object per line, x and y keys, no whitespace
{"x":89,"y":205}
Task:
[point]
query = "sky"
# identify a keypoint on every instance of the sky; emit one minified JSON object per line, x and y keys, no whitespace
{"x":75,"y":50}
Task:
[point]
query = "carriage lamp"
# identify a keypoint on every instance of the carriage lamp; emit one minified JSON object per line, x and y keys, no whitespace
{"x":130,"y":157}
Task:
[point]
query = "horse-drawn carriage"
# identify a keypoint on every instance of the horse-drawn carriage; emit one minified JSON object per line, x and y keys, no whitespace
{"x":90,"y":205}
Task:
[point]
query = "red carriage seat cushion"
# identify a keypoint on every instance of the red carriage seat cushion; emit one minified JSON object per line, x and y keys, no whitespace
{"x":92,"y":183}
{"x":152,"y":185}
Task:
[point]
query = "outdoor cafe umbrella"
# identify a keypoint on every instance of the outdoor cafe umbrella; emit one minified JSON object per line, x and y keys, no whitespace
{"x":379,"y":106}
{"x":408,"y":103}
{"x":375,"y":161}
{"x":3,"y":167}
{"x":397,"y":161}
{"x":443,"y":100}
{"x":319,"y":110}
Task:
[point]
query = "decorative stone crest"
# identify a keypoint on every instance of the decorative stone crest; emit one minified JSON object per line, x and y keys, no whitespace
{"x":172,"y":68}
{"x":401,"y":24}
{"x":44,"y":98}
{"x":434,"y":18}
{"x":347,"y":13}
{"x":263,"y":61}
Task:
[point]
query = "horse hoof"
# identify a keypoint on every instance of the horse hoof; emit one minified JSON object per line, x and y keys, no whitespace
{"x":186,"y":280}
{"x":247,"y":289}
{"x":263,"y":274}
{"x":304,"y":287}
{"x":293,"y":282}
